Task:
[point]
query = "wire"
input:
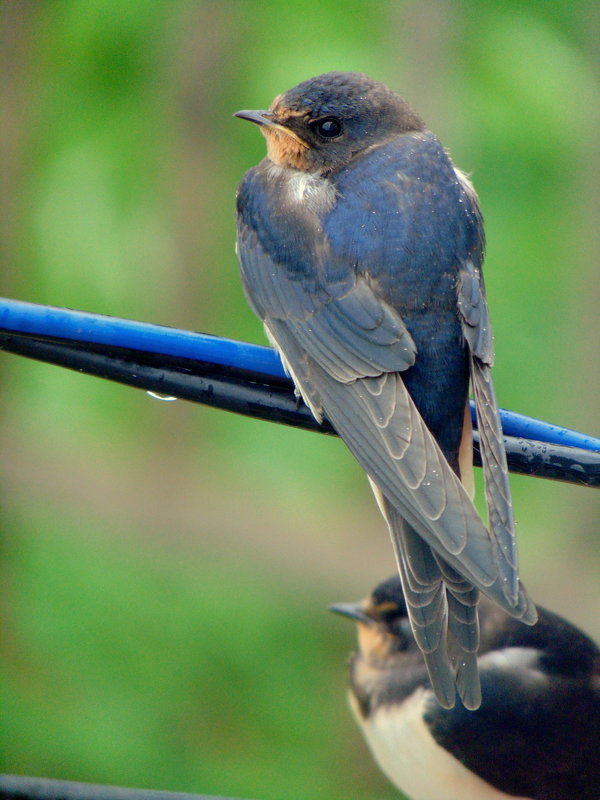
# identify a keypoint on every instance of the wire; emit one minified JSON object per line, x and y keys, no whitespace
{"x":243,"y":378}
{"x":49,"y":322}
{"x":17,"y":787}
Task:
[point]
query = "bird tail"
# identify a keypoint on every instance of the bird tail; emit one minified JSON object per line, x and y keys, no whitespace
{"x":442,"y":609}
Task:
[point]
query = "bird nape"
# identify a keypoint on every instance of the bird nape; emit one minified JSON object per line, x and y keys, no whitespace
{"x":360,"y":248}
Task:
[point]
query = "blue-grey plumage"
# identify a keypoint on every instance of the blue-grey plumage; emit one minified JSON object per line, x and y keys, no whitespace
{"x":360,"y":248}
{"x":535,"y":736}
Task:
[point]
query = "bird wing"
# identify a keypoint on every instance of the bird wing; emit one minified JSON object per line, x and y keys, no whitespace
{"x":477,"y":331}
{"x":345,"y":347}
{"x":478,"y":335}
{"x":345,"y":328}
{"x":516,"y":740}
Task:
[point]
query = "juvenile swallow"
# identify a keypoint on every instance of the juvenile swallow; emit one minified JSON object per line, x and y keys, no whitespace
{"x":536,"y":735}
{"x":360,"y":247}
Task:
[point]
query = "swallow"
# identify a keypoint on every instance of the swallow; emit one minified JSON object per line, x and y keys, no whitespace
{"x":535,"y":736}
{"x":360,"y":248}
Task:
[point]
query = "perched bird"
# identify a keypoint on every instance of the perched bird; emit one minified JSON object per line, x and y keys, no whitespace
{"x":536,"y":735}
{"x":360,"y":246}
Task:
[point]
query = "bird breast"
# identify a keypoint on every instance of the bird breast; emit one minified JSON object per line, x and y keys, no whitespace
{"x":407,"y":753}
{"x":307,"y":189}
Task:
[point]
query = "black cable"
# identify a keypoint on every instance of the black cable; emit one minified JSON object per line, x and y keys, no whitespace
{"x":268,"y":397}
{"x":17,"y":787}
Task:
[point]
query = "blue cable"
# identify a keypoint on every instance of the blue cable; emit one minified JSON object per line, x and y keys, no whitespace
{"x":82,"y":326}
{"x":61,"y":323}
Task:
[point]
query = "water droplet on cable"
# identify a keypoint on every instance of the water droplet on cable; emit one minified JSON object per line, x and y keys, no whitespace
{"x":167,"y":398}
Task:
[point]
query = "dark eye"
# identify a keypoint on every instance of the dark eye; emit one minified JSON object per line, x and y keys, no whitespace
{"x":328,"y":128}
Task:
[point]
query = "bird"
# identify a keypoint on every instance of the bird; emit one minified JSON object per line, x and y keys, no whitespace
{"x":535,"y":736}
{"x":360,"y":248}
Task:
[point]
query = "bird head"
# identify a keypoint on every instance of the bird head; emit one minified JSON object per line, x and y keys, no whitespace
{"x":320,"y":125}
{"x":383,"y":626}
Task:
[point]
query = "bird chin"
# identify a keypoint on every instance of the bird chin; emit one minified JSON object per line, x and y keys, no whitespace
{"x":374,"y":643}
{"x":285,"y":149}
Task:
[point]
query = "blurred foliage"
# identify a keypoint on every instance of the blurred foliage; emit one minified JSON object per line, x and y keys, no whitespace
{"x":167,"y":566}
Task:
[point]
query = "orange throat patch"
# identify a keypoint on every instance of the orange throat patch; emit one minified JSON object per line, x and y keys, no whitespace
{"x":284,"y":149}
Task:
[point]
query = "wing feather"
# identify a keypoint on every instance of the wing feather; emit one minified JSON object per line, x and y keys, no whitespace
{"x":478,"y":334}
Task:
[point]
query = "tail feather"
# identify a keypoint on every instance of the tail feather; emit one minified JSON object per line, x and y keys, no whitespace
{"x":441,"y":676}
{"x":442,"y":609}
{"x":467,"y":681}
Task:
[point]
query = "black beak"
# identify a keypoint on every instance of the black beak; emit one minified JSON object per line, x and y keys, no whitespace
{"x":352,"y":610}
{"x":265,"y":119}
{"x":258,"y":117}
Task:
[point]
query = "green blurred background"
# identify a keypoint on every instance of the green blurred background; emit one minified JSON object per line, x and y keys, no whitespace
{"x":167,"y":566}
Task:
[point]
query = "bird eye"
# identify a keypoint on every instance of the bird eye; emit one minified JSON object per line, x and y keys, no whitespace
{"x":328,"y":128}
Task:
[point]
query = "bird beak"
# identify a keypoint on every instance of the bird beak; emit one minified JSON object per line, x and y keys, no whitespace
{"x":266,"y":120}
{"x":352,"y":610}
{"x":259,"y":117}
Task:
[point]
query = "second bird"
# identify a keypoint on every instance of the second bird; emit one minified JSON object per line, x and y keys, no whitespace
{"x":360,"y":247}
